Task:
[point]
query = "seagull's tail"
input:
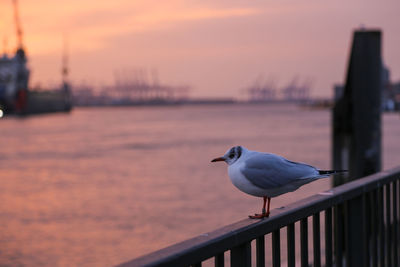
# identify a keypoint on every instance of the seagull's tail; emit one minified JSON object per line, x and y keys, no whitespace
{"x":325,"y":172}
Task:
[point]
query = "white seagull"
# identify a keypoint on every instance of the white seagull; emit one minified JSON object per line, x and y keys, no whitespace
{"x":267,"y":175}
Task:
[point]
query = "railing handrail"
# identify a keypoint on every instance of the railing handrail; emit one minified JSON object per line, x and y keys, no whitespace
{"x":213,"y":243}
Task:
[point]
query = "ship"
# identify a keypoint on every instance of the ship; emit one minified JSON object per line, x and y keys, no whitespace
{"x":15,"y":95}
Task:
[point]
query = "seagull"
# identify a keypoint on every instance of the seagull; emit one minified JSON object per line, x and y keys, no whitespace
{"x":268,"y":175}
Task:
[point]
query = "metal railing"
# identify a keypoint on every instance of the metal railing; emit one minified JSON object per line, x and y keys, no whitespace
{"x":359,"y":227}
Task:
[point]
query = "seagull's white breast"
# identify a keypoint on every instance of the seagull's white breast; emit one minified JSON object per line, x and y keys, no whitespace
{"x":240,"y":181}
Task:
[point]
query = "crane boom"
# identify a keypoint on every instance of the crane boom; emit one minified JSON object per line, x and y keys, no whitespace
{"x":64,"y":68}
{"x":17,"y":24}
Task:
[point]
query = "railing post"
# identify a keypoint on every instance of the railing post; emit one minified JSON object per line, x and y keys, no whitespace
{"x":291,"y":251}
{"x":373,"y":201}
{"x":276,"y":248}
{"x":241,"y":255}
{"x":355,"y":238}
{"x":381,"y":226}
{"x":394,"y":225}
{"x":260,"y":251}
{"x":338,"y":230}
{"x":328,"y":237}
{"x":366,"y":211}
{"x":304,"y":241}
{"x":219,"y":260}
{"x":316,"y":240}
{"x":388,"y":226}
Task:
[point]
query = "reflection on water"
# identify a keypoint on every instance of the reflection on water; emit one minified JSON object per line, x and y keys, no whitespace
{"x":102,"y":186}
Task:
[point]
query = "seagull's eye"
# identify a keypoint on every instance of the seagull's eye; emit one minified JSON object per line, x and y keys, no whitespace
{"x":231,"y":156}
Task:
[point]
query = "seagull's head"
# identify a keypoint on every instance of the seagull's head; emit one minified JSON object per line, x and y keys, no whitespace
{"x":231,"y":156}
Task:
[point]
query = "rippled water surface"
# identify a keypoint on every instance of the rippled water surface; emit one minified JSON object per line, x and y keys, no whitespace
{"x":100,"y":186}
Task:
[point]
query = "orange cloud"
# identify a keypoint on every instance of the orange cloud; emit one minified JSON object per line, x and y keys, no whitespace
{"x":90,"y":23}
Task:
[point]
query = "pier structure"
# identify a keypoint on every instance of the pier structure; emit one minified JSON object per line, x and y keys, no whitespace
{"x":356,"y":120}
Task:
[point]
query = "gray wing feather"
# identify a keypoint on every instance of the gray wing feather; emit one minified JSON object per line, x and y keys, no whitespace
{"x":270,"y":171}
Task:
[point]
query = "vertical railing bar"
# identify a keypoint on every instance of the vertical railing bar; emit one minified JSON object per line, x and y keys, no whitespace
{"x":374,"y":228}
{"x":388,"y":225}
{"x":276,"y":248}
{"x":346,"y":228}
{"x":304,"y":242}
{"x":394,"y":206}
{"x":355,"y":232}
{"x":398,"y":220}
{"x":291,"y":251}
{"x":219,"y":260}
{"x":328,"y":237}
{"x":316,"y":240}
{"x":338,"y":229}
{"x":260,"y":251}
{"x":381,"y":229}
{"x":241,"y":255}
{"x":366,"y":228}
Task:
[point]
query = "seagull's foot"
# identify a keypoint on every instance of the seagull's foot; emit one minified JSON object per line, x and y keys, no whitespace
{"x":264,"y":212}
{"x":259,"y":216}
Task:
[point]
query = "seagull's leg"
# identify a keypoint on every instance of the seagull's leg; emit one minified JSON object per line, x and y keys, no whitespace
{"x":265,"y":213}
{"x":269,"y":202}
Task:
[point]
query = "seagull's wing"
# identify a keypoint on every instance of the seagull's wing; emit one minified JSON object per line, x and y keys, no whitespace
{"x":270,"y":171}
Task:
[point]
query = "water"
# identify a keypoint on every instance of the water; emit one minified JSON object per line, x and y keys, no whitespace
{"x":101,"y":186}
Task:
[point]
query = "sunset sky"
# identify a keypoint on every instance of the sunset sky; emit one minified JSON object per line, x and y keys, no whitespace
{"x":216,"y":47}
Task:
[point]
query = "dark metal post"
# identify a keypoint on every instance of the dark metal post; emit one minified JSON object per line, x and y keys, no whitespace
{"x":339,"y":234}
{"x":316,"y":240}
{"x":328,"y":237}
{"x":241,"y":255}
{"x":291,"y":252}
{"x":276,"y":248}
{"x":260,"y":251}
{"x":219,"y":260}
{"x":388,"y":227}
{"x":304,"y":242}
{"x":357,"y":113}
{"x":394,"y":226}
{"x":355,"y":238}
{"x":381,"y":227}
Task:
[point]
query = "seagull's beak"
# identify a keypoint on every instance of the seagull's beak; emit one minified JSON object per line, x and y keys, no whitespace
{"x":218,"y":159}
